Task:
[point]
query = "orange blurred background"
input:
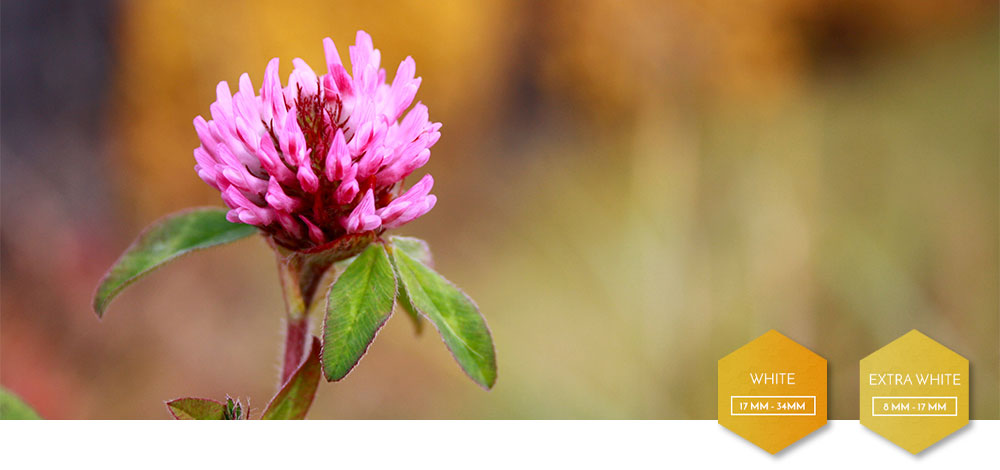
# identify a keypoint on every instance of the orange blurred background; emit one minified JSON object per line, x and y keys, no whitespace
{"x":629,"y":190}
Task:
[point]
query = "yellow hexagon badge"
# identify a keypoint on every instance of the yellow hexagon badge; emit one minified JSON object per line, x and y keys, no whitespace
{"x":772,"y":391}
{"x":914,"y":391}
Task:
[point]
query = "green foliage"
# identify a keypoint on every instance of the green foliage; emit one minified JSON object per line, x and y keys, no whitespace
{"x":14,"y":408}
{"x":453,"y":313}
{"x":234,"y":410}
{"x":205,"y":409}
{"x":166,"y":239}
{"x":302,"y":271}
{"x":199,"y":408}
{"x":418,"y":250}
{"x":296,"y":396}
{"x":361,"y":299}
{"x":358,"y":304}
{"x":415,"y":247}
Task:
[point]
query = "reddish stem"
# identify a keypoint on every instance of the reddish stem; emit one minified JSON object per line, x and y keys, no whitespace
{"x":296,"y":337}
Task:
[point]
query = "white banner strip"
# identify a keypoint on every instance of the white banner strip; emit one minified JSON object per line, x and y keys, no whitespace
{"x":462,"y":444}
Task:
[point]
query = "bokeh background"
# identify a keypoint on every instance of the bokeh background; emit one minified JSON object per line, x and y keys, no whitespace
{"x":630,"y":191}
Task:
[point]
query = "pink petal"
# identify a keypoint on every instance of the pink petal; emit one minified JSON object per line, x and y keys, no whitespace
{"x":371,"y":161}
{"x":246,"y":87}
{"x":362,"y":218}
{"x":277,"y":198}
{"x":401,"y":168}
{"x":307,"y":178}
{"x":332,"y":56}
{"x":205,"y":134}
{"x":361,"y":52}
{"x":413,"y":212}
{"x":404,"y":87}
{"x":246,"y":211}
{"x":271,"y":94}
{"x":338,"y":158}
{"x":303,"y":76}
{"x":272,"y":162}
{"x":289,"y":223}
{"x":224,"y":98}
{"x":206,"y":167}
{"x":415,"y":196}
{"x":315,"y":234}
{"x":338,"y":81}
{"x":347,"y":191}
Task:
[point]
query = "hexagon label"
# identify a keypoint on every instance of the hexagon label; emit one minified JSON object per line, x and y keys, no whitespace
{"x":914,"y":391}
{"x":772,"y":391}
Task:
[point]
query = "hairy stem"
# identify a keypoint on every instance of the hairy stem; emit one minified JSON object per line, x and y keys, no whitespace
{"x":296,"y":338}
{"x":299,"y":281}
{"x":301,"y":273}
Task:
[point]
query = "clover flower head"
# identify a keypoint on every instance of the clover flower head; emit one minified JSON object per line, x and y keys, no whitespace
{"x":323,"y":156}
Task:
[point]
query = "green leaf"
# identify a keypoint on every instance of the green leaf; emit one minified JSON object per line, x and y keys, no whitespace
{"x":196,"y":408}
{"x":420,"y":251}
{"x":13,"y":407}
{"x":296,"y":396}
{"x":403,"y":301}
{"x":453,"y":313}
{"x":233,"y":410}
{"x":301,"y":271}
{"x":358,"y":304}
{"x":415,"y":247}
{"x":164,"y":240}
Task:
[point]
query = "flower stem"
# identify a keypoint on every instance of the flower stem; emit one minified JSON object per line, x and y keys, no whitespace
{"x":300,"y":277}
{"x":296,"y":337}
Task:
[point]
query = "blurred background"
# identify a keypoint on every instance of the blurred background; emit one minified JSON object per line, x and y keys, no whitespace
{"x":629,"y":190}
